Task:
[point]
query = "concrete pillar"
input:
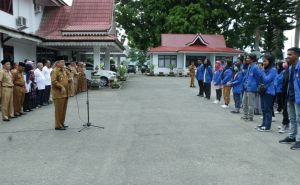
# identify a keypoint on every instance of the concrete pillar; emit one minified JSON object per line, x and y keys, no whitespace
{"x":107,"y":59}
{"x":97,"y":58}
{"x":184,"y":61}
{"x":212,"y":59}
{"x":118,"y":60}
{"x":1,"y":55}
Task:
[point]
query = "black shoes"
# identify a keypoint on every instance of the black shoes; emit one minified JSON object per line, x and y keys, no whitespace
{"x":66,"y":126}
{"x":60,"y":128}
{"x":6,"y":119}
{"x":296,"y":146}
{"x":287,"y":140}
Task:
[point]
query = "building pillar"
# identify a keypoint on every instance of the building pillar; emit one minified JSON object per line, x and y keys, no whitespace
{"x":212,"y":59}
{"x":1,"y":55}
{"x":119,"y":60}
{"x":97,"y":58}
{"x":107,"y":59}
{"x":184,"y":61}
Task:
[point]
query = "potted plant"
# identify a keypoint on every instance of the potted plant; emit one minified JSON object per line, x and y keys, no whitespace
{"x":171,"y":67}
{"x":161,"y":74}
{"x":122,"y":71}
{"x":115,"y":84}
{"x":151,"y":68}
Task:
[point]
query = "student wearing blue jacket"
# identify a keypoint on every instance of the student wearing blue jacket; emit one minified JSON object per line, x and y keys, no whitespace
{"x":227,"y":76}
{"x":268,"y":75}
{"x":207,"y":78}
{"x":199,"y":77}
{"x":278,"y":86}
{"x":250,"y":87}
{"x":237,"y":87}
{"x":217,"y":81}
{"x":293,"y":98}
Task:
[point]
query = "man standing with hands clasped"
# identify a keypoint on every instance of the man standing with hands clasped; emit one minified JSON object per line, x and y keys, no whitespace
{"x":60,"y":81}
{"x":6,"y":91}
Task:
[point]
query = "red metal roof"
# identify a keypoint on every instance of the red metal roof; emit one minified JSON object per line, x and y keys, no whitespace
{"x":180,"y":43}
{"x":181,"y":40}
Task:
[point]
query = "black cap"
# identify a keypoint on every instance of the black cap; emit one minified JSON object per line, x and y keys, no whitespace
{"x":22,"y":64}
{"x":4,"y":61}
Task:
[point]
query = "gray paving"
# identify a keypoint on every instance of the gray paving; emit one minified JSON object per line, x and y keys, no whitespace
{"x":156,"y":132}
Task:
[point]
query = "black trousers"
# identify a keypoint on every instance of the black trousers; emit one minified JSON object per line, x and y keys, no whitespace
{"x":40,"y":96}
{"x":201,"y":87}
{"x":207,"y":90}
{"x":27,"y":103}
{"x":47,"y":94}
{"x":279,"y":101}
{"x":218,"y":94}
{"x":285,"y":114}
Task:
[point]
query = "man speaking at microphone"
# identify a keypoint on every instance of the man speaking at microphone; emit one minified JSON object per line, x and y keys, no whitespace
{"x":60,"y":80}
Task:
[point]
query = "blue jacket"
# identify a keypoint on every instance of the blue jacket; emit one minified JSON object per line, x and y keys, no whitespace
{"x":296,"y":82}
{"x":228,"y":75}
{"x":208,"y":75}
{"x":200,"y":73}
{"x":279,"y":81}
{"x":268,"y":79}
{"x":252,"y":77}
{"x":237,"y":83}
{"x":217,"y":77}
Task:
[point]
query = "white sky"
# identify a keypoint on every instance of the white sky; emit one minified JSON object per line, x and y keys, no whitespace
{"x":289,"y":34}
{"x":69,"y":1}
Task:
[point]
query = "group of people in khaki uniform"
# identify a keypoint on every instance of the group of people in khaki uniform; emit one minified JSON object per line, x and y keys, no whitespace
{"x":65,"y":82}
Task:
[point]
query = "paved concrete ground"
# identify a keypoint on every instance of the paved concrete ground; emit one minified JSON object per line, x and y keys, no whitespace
{"x":156,"y":132}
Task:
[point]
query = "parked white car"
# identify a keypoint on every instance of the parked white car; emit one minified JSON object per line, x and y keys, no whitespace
{"x":104,"y":76}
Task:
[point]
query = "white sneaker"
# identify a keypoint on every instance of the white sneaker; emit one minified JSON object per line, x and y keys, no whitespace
{"x":216,"y":102}
{"x":281,"y":131}
{"x":273,"y":119}
{"x":277,"y":112}
{"x":263,"y":129}
{"x":224,"y":106}
{"x":279,"y":127}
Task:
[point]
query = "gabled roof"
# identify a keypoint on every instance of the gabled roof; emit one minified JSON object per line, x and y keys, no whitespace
{"x":90,"y":19}
{"x":193,"y":43}
{"x":90,"y":15}
{"x":181,"y":40}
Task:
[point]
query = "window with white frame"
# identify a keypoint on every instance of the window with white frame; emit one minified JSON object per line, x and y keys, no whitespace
{"x":164,"y":61}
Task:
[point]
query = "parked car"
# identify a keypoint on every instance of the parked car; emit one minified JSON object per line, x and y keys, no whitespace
{"x":131,"y":69}
{"x":144,"y":69}
{"x":104,"y":76}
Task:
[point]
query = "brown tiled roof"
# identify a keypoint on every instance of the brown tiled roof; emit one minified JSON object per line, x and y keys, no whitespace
{"x":90,"y":15}
{"x":83,"y":16}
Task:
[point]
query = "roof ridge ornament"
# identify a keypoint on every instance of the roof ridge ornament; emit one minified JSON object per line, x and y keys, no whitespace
{"x":198,"y":38}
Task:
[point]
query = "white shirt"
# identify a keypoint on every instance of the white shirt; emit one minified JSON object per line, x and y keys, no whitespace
{"x":40,"y":79}
{"x":47,"y":74}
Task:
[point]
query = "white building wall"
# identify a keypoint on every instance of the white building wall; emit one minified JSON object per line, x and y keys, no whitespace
{"x":23,"y":49}
{"x":24,"y":8}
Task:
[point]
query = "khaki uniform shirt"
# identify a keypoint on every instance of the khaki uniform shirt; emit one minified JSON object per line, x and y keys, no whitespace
{"x":18,"y":78}
{"x":60,"y":79}
{"x":192,"y":69}
{"x":6,"y":78}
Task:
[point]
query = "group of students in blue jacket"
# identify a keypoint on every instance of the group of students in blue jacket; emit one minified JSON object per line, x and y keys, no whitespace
{"x":249,"y":79}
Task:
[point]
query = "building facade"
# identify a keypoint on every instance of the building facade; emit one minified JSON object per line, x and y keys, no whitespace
{"x":182,"y":49}
{"x":44,"y":29}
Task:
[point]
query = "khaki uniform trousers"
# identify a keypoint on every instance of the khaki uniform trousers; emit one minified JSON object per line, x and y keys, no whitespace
{"x":7,"y":102}
{"x":226,"y":94}
{"x":19,"y":97}
{"x":192,"y":80}
{"x":60,"y":106}
{"x":75,"y":82}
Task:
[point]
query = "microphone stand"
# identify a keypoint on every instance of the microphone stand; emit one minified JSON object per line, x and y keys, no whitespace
{"x":88,"y":124}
